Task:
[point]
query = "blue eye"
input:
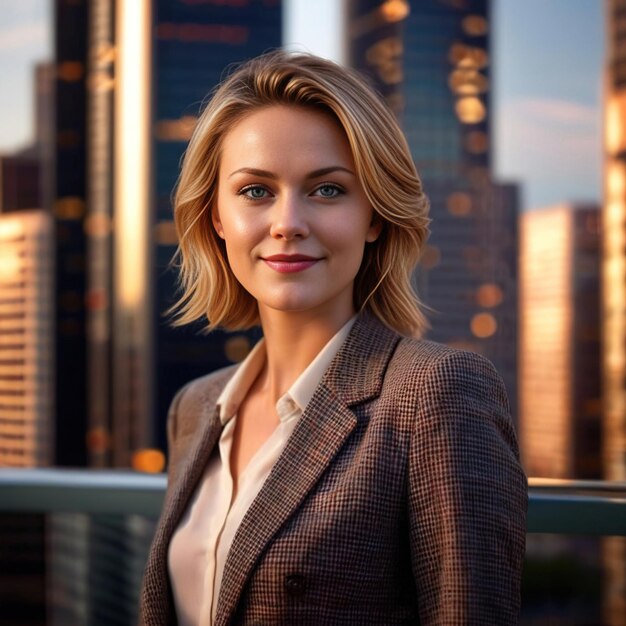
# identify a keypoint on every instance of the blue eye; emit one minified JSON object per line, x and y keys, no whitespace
{"x":329,"y":190}
{"x":254,"y":192}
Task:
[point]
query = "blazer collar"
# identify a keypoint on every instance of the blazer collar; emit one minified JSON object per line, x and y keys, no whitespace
{"x":357,"y":372}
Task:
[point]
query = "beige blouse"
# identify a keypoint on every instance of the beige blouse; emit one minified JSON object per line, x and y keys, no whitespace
{"x":200,"y":544}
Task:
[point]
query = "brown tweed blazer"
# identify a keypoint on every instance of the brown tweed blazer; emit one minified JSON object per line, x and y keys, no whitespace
{"x":398,"y":499}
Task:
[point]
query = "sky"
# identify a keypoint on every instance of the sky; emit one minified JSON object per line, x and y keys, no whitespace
{"x":547,"y":60}
{"x":25,"y":38}
{"x":546,"y":101}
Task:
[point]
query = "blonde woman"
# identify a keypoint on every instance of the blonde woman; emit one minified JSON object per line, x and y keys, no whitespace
{"x":347,"y":472}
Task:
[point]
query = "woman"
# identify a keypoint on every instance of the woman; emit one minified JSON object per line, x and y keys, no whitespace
{"x":346,"y":472}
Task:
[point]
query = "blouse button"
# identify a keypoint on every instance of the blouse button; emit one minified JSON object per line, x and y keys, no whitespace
{"x":295,"y":584}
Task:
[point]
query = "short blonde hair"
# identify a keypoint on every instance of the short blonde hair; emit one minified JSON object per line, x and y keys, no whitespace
{"x":384,"y":168}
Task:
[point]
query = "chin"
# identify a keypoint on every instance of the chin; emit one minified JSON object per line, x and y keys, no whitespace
{"x":290,"y":306}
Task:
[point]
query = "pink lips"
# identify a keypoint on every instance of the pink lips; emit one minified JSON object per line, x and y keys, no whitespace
{"x":289,"y":263}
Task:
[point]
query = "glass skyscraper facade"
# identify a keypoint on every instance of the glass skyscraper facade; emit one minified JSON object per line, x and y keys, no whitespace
{"x":560,"y":345}
{"x":194,"y":46}
{"x":430,"y":59}
{"x":119,"y":363}
{"x":112,"y":296}
{"x":613,"y":307}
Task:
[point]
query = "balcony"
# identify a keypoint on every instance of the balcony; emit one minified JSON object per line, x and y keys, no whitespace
{"x":98,"y":525}
{"x":555,"y":506}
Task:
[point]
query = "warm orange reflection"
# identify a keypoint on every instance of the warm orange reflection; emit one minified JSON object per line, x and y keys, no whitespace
{"x":431,"y":256}
{"x":98,"y":440}
{"x":70,"y":71}
{"x":237,"y":348}
{"x":26,"y":314}
{"x":466,"y":56}
{"x":614,"y":123}
{"x":98,"y":225}
{"x":132,"y":143}
{"x":459,"y":203}
{"x":483,"y":325}
{"x":175,"y":130}
{"x":148,"y":460}
{"x":11,"y":264}
{"x":395,"y":10}
{"x":470,"y":110}
{"x":165,"y":233}
{"x":616,"y":181}
{"x":69,"y":208}
{"x":489,"y":296}
{"x":476,"y":142}
{"x":545,"y":310}
{"x":475,"y":25}
{"x":468,"y":82}
{"x":214,"y":33}
{"x":386,"y":57}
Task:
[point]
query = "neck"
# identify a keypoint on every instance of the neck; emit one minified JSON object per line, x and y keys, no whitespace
{"x":292,"y":342}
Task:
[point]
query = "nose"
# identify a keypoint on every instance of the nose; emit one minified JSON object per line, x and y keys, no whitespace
{"x":289,"y":220}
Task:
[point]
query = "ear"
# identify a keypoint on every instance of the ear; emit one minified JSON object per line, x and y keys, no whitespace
{"x":374,"y":230}
{"x":217,"y":224}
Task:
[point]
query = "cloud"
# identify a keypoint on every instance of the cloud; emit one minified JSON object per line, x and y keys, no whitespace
{"x":25,"y":36}
{"x":553,"y":111}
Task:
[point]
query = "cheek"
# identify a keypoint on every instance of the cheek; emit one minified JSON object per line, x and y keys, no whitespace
{"x":349,"y":234}
{"x":239,"y":227}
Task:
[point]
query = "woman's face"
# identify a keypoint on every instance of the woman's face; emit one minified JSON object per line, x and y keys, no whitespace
{"x":291,"y":211}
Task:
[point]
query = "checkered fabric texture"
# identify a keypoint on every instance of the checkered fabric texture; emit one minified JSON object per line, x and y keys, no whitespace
{"x":398,"y":499}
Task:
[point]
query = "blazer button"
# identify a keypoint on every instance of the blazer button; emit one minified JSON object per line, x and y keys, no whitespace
{"x":295,"y":584}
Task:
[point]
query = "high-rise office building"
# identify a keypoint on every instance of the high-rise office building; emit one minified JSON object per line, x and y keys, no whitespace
{"x":26,"y":374}
{"x":614,"y":248}
{"x":131,"y":80}
{"x":431,"y":60}
{"x":132,"y":75}
{"x":25,"y":175}
{"x":194,"y":47}
{"x":559,"y":421}
{"x":26,"y":352}
{"x":26,"y":294}
{"x":613,"y":312}
{"x":69,"y":211}
{"x":375,"y":31}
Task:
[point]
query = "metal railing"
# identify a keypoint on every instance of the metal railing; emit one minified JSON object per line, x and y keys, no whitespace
{"x":555,"y":506}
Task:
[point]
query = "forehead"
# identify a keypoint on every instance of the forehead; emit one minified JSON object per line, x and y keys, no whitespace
{"x":282,"y":134}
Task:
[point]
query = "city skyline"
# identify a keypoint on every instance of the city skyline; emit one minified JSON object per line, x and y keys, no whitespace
{"x":525,"y":300}
{"x":546,"y":87}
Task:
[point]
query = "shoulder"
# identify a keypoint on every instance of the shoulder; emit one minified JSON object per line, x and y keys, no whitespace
{"x":439,"y":380}
{"x":429,"y":361}
{"x":190,"y":403}
{"x":204,"y":388}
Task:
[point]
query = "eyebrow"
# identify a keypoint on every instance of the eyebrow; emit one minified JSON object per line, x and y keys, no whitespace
{"x":314,"y":174}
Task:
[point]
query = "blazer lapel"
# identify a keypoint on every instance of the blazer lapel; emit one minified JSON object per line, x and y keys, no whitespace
{"x":354,"y":376}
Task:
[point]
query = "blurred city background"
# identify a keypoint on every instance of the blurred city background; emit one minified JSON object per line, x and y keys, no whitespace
{"x":516,"y":117}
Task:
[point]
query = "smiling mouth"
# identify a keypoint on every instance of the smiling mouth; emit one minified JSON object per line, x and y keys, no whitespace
{"x":289,"y":263}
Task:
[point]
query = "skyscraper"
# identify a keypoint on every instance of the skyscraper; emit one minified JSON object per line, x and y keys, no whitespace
{"x":132,"y":78}
{"x":195,"y":44}
{"x":26,"y":375}
{"x":560,"y":344}
{"x":431,"y":60}
{"x":26,"y":398}
{"x":613,"y":312}
{"x":614,"y":248}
